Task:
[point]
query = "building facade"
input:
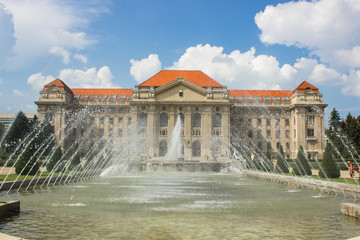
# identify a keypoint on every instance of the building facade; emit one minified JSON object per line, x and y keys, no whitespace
{"x":215,"y":121}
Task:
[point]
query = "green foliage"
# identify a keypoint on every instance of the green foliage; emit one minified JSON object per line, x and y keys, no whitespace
{"x":56,"y":157}
{"x":267,"y":162}
{"x":329,"y":167}
{"x":2,"y":130}
{"x":19,"y":129}
{"x":281,"y":165}
{"x":302,"y":166}
{"x":75,"y":158}
{"x":27,"y":163}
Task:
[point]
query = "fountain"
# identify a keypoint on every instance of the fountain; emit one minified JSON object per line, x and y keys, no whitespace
{"x":176,"y":144}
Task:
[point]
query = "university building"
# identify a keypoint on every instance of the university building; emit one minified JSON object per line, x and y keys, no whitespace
{"x":216,"y":121}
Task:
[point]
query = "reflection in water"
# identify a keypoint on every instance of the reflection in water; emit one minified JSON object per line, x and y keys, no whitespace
{"x":178,"y":206}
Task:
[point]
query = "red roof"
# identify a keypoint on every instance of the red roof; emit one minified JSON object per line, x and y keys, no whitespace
{"x":166,"y":76}
{"x":60,"y":85}
{"x":260,"y":93}
{"x":100,"y":91}
{"x":305,"y":86}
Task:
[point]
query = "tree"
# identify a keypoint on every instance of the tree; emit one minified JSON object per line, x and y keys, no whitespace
{"x":2,"y":130}
{"x":27,"y":163}
{"x":281,"y":165}
{"x":329,"y":167}
{"x":17,"y":132}
{"x":56,"y":157}
{"x":302,"y":166}
{"x":268,"y":162}
{"x":75,"y":161}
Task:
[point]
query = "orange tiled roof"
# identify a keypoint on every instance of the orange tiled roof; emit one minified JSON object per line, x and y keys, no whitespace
{"x":60,"y":85}
{"x":100,"y":91}
{"x":166,"y":76}
{"x":260,"y":93}
{"x":305,"y":86}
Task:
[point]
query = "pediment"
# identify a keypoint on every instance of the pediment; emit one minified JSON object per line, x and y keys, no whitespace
{"x":180,"y":90}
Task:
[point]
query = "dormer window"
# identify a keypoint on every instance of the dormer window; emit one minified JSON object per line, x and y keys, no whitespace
{"x":95,"y":96}
{"x":249,"y":98}
{"x":257,"y":97}
{"x":285,"y":98}
{"x":77,"y":96}
{"x":113,"y":97}
{"x":122,"y":97}
{"x":276,"y":98}
{"x":181,"y":93}
{"x":104,"y":97}
{"x":86,"y":96}
{"x":267,"y":98}
{"x":239,"y":97}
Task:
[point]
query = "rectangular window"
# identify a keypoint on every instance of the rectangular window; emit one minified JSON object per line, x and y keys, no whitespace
{"x":101,"y":132}
{"x":92,"y":120}
{"x":268,"y":133}
{"x":287,"y":133}
{"x":278,"y":133}
{"x":111,"y":132}
{"x":277,"y":122}
{"x":163,"y":108}
{"x":249,"y":121}
{"x":259,"y":122}
{"x":268,"y":121}
{"x":120,"y":132}
{"x":250,"y":134}
{"x":163,"y":132}
{"x":240,"y":121}
{"x":258,"y":134}
{"x":111,"y":120}
{"x":287,"y":122}
{"x":92,"y":132}
{"x":129,"y":121}
{"x":95,"y":96}
{"x":269,"y":145}
{"x":310,"y":132}
{"x":112,"y":110}
{"x":309,"y":120}
{"x":121,"y":120}
{"x":102,"y":119}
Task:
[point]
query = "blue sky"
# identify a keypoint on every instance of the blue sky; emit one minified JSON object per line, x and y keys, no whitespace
{"x":241,"y":44}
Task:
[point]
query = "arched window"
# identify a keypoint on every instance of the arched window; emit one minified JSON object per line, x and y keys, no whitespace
{"x":143,"y":120}
{"x":162,"y":148}
{"x":260,"y":146}
{"x":163,"y":120}
{"x":196,"y":149}
{"x":182,"y":119}
{"x":196,"y":120}
{"x":216,"y":120}
{"x":216,"y":146}
{"x":278,"y":145}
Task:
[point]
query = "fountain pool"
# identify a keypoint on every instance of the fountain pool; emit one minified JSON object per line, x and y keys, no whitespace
{"x":178,"y":205}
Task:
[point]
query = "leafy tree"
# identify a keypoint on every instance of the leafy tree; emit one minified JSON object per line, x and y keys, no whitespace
{"x":17,"y":132}
{"x":302,"y":166}
{"x":329,"y":166}
{"x":27,"y":163}
{"x":56,"y":157}
{"x":75,"y":161}
{"x":281,"y":165}
{"x":268,"y":162}
{"x":2,"y":130}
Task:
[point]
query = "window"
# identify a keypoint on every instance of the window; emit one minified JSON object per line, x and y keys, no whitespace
{"x":113,"y":97}
{"x":277,"y":133}
{"x":269,"y":145}
{"x":260,"y":146}
{"x":85,"y":96}
{"x":162,"y":148}
{"x":122,"y":97}
{"x":143,"y":108}
{"x":268,"y":121}
{"x":257,"y":97}
{"x":309,"y":120}
{"x":268,"y":133}
{"x":249,"y":121}
{"x":310,"y":132}
{"x":278,"y":111}
{"x":285,"y":98}
{"x":102,"y":120}
{"x":196,"y":121}
{"x":92,"y":132}
{"x":276,"y":98}
{"x":104,"y":97}
{"x":287,"y":133}
{"x":287,"y":122}
{"x":196,"y":149}
{"x":217,"y":120}
{"x":288,"y":145}
{"x":277,"y":122}
{"x":196,"y":109}
{"x":101,"y":132}
{"x":278,"y":145}
{"x":249,"y":98}
{"x":92,"y":120}
{"x":111,"y":120}
{"x":249,"y":111}
{"x":95,"y":96}
{"x":259,"y":122}
{"x":180,"y":109}
{"x":240,"y":111}
{"x":250,"y":134}
{"x":77,"y":96}
{"x":121,"y":120}
{"x":216,"y":147}
{"x":163,"y":108}
{"x":196,"y":132}
{"x":111,"y":132}
{"x":258,"y":135}
{"x":163,"y":120}
{"x":120,"y":132}
{"x":74,"y":132}
{"x":51,"y":107}
{"x":239,"y":98}
{"x":143,"y":120}
{"x":217,"y":109}
{"x":111,"y":110}
{"x":163,"y":132}
{"x":129,"y":121}
{"x":121,"y":110}
{"x":267,"y":98}
{"x":240,"y":121}
{"x":240,"y":134}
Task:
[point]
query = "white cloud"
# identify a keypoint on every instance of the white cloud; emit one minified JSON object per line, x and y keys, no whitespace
{"x":328,"y":28}
{"x":17,"y":92}
{"x":61,"y":52}
{"x":352,"y":83}
{"x":37,"y":80}
{"x":236,"y":70}
{"x":76,"y":78}
{"x":40,"y":25}
{"x":80,"y":58}
{"x":348,"y":57}
{"x":145,"y":68}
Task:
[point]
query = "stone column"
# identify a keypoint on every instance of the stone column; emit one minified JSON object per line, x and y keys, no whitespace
{"x":151,"y":130}
{"x":206,"y":129}
{"x":187,"y":133}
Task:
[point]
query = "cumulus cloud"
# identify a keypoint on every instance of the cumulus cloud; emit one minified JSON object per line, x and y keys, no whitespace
{"x":328,"y":28}
{"x":352,"y":83}
{"x":17,"y":92}
{"x":237,"y":70}
{"x":61,"y":52}
{"x":80,"y":58}
{"x":76,"y":78}
{"x":40,"y":25}
{"x":145,"y":68}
